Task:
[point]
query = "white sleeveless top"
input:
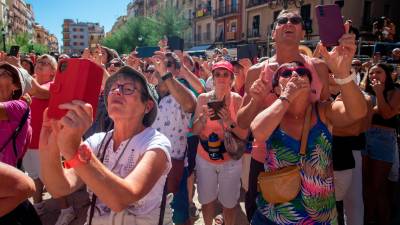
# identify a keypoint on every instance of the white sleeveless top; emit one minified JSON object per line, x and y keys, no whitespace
{"x":124,"y":160}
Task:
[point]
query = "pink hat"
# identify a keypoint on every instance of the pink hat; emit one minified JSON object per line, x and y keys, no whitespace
{"x":223,"y":65}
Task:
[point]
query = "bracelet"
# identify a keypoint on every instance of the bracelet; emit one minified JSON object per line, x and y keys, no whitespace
{"x":166,"y":76}
{"x":346,"y":80}
{"x":283,"y":98}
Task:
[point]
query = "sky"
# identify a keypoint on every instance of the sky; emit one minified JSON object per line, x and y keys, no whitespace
{"x":51,"y":13}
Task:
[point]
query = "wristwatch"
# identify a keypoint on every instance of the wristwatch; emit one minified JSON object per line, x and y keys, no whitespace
{"x":166,"y":76}
{"x":82,"y":156}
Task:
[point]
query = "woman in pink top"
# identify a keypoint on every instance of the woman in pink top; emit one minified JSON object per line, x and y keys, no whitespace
{"x":218,"y":176}
{"x":12,"y":112}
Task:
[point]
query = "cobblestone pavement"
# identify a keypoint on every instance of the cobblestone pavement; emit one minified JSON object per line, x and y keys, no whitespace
{"x":80,"y":202}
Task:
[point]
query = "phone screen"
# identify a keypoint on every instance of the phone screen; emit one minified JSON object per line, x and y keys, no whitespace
{"x":14,"y":50}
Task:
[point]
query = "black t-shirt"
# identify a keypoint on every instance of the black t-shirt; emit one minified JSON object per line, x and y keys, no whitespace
{"x":342,"y":151}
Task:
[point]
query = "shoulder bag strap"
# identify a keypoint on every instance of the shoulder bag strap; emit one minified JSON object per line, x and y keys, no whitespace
{"x":163,"y":204}
{"x":94,"y":196}
{"x":14,"y":135}
{"x":306,"y":130}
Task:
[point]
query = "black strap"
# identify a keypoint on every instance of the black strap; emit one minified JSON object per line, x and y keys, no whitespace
{"x":16,"y":132}
{"x":162,"y":206}
{"x":94,"y":196}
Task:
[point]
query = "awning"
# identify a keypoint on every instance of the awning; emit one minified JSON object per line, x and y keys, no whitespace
{"x":199,"y":48}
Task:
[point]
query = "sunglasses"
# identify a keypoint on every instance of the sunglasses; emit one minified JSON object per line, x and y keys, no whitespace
{"x":293,"y":20}
{"x":169,"y":64}
{"x":116,"y":64}
{"x":301,"y":71}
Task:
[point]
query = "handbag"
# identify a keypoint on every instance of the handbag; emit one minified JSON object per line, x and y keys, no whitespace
{"x":283,"y":185}
{"x":234,"y":146}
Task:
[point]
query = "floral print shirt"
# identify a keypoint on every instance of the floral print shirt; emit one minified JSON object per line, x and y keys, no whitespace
{"x":315,"y":203}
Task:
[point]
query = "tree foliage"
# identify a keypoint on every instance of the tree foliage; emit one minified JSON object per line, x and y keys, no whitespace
{"x":147,"y":31}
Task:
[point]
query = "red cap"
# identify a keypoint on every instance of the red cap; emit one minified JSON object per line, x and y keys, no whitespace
{"x":223,"y":65}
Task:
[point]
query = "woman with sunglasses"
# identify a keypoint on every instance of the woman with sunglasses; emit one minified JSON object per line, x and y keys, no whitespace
{"x":281,"y":126}
{"x":381,"y":142}
{"x":218,"y":176}
{"x":125,"y":169}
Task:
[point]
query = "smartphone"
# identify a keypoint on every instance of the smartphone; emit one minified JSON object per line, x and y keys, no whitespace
{"x":76,"y":79}
{"x":14,"y":50}
{"x":175,"y":43}
{"x":330,"y":23}
{"x":216,"y":106}
{"x":146,"y":52}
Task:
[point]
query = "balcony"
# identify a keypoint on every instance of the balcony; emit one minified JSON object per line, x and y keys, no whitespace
{"x":253,"y":33}
{"x":230,"y":36}
{"x":203,"y":12}
{"x":226,"y":11}
{"x":253,"y":3}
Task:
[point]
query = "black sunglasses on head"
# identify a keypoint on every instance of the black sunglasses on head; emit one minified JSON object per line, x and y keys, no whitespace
{"x":293,"y":20}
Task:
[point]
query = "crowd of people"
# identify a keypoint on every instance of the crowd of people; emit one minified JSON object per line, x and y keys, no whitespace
{"x":310,"y":139}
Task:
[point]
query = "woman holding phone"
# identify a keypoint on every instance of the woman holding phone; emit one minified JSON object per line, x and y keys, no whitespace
{"x":381,"y":141}
{"x":124,"y":169}
{"x":218,"y":176}
{"x":282,"y":126}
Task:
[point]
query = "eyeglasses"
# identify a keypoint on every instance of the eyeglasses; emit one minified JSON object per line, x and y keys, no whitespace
{"x":45,"y":63}
{"x":301,"y":71}
{"x":293,"y":20}
{"x":125,"y":89}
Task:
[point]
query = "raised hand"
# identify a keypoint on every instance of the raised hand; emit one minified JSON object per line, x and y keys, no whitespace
{"x":72,"y":126}
{"x":377,"y":86}
{"x":340,"y":58}
{"x":260,"y":88}
{"x":294,"y":87}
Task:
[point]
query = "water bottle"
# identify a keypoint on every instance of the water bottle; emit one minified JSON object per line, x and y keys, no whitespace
{"x":214,"y":146}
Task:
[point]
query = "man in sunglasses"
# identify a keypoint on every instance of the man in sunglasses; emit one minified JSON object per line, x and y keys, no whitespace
{"x":114,"y":65}
{"x":287,"y":33}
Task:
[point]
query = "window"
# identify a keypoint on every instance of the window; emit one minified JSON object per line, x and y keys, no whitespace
{"x":305,"y":12}
{"x":81,"y":36}
{"x":208,"y":34}
{"x":233,"y":26}
{"x":199,"y":33}
{"x":81,"y":43}
{"x":256,"y":26}
{"x":75,"y":44}
{"x":74,"y":29}
{"x":386,"y":10}
{"x":74,"y":36}
{"x":367,"y":13}
{"x":81,"y":29}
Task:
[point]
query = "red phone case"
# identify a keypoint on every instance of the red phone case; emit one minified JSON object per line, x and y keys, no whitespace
{"x":76,"y":79}
{"x":330,"y":23}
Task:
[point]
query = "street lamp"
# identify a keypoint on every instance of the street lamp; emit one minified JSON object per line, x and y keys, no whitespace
{"x":285,"y":3}
{"x":3,"y":32}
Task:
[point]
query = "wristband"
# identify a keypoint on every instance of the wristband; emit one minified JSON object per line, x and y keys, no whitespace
{"x":166,"y":76}
{"x":346,"y":80}
{"x":283,"y":98}
{"x":82,"y":156}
